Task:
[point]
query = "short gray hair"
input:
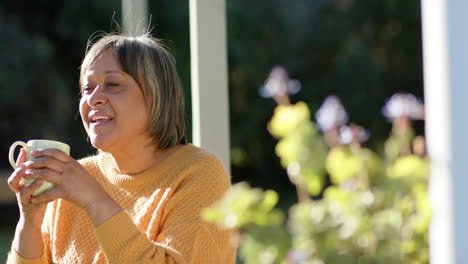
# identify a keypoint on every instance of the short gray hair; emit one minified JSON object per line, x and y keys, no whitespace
{"x":146,"y":60}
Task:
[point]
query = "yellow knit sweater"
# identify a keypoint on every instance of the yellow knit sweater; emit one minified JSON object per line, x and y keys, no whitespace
{"x":160,"y":222}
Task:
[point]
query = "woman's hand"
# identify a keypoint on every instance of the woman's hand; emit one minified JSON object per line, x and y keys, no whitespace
{"x":72,"y":183}
{"x":31,"y":213}
{"x":28,"y":239}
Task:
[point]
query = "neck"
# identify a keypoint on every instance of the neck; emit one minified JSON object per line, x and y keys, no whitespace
{"x":135,"y":160}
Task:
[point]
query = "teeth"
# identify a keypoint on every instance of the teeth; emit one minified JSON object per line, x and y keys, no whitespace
{"x":100,"y":118}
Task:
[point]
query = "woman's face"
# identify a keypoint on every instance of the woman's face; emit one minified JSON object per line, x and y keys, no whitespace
{"x":112,"y":106}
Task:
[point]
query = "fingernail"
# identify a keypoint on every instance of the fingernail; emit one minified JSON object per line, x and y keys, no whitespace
{"x":28,"y":163}
{"x":28,"y":172}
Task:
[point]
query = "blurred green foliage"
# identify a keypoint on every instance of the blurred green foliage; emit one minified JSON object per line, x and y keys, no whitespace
{"x":375,"y":211}
{"x":300,"y":148}
{"x":362,"y":51}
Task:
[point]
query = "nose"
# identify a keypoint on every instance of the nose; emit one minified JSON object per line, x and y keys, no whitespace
{"x":96,"y":98}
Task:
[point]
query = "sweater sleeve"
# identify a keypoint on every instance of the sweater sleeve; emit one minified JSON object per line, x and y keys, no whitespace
{"x":184,"y":236}
{"x":15,"y":258}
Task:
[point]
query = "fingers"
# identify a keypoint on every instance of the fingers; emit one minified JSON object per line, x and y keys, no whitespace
{"x":21,"y":158}
{"x":53,"y":153}
{"x":26,"y":192}
{"x":46,"y":196}
{"x":14,"y":181}
{"x":45,"y":174}
{"x":45,"y":162}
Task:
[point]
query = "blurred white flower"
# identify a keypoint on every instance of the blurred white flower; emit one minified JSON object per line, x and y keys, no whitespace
{"x":231,"y":220}
{"x":403,"y":104}
{"x":331,"y":113}
{"x":367,"y":198}
{"x":278,"y":84}
{"x":349,"y":228}
{"x":294,"y":170}
{"x":352,"y":133}
{"x":268,"y":255}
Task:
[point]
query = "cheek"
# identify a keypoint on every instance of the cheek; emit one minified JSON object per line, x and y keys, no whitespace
{"x":144,"y":113}
{"x":139,"y":110}
{"x":83,"y":111}
{"x":137,"y":117}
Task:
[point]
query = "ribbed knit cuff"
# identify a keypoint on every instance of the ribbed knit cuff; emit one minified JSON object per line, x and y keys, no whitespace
{"x":116,"y":232}
{"x":15,"y":258}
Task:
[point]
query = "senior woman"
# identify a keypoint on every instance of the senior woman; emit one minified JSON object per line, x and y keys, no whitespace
{"x":139,"y":199}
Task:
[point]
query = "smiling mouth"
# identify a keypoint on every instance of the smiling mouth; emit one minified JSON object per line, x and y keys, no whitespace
{"x":100,"y":120}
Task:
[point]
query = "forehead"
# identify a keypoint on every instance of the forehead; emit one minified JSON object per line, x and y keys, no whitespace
{"x":104,"y":63}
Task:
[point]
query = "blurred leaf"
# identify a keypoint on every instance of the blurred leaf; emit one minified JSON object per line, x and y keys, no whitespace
{"x":264,"y":245}
{"x":286,"y":118}
{"x":342,"y":164}
{"x":243,"y":206}
{"x":412,"y":168}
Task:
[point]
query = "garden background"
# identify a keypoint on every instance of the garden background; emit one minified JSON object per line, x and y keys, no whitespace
{"x":362,"y":51}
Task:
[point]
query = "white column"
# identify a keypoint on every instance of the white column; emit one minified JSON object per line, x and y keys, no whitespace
{"x":210,"y":104}
{"x":445,"y":43}
{"x":135,"y":16}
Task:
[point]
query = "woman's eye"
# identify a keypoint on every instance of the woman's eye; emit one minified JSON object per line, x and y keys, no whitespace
{"x":88,"y":90}
{"x":112,"y":84}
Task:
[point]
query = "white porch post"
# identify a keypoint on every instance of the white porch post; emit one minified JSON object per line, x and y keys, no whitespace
{"x":210,"y":105}
{"x":445,"y":42}
{"x":135,"y":16}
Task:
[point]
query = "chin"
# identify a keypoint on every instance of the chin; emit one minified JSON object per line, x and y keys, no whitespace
{"x":100,"y":143}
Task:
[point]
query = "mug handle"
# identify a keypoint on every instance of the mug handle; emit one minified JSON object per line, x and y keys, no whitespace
{"x":12,"y":152}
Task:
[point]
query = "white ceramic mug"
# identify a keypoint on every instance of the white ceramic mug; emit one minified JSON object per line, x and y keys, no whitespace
{"x":36,"y":144}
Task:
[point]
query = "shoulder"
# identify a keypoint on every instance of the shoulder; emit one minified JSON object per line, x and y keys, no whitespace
{"x":204,"y":158}
{"x":197,"y":180}
{"x":201,"y":161}
{"x":202,"y":170}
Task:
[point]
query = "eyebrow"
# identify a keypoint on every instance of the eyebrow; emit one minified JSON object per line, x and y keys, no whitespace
{"x":119,"y":72}
{"x":106,"y":72}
